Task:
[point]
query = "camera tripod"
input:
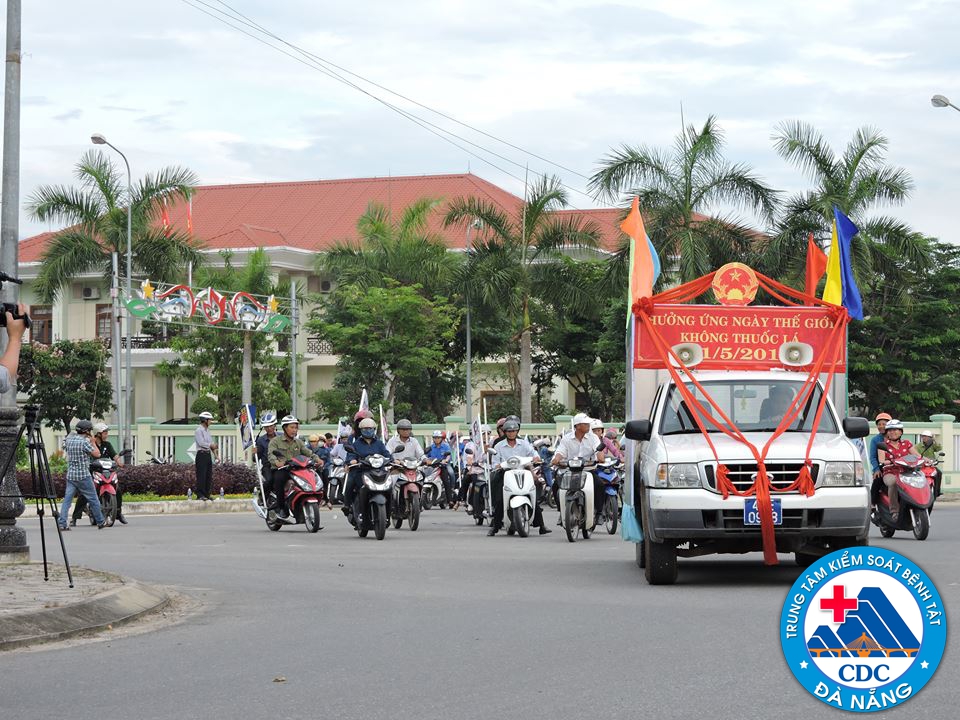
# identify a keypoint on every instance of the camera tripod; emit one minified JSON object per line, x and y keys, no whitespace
{"x":42,"y":491}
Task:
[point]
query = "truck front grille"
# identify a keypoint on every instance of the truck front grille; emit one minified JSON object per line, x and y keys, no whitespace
{"x":742,"y":475}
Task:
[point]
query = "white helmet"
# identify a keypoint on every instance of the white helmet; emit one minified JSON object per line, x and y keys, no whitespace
{"x":925,"y":433}
{"x":103,"y":427}
{"x":438,"y":433}
{"x":581,"y":419}
{"x":205,"y":415}
{"x":894,"y":425}
{"x":596,"y":424}
{"x":268,"y":419}
{"x":289,"y":420}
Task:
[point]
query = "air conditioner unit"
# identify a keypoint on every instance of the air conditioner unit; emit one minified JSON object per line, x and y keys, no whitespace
{"x":90,"y":293}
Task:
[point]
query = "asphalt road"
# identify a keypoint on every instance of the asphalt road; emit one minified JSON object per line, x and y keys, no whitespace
{"x":441,"y":623}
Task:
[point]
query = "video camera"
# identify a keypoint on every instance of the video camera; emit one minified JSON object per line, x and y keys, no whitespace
{"x":11,"y":307}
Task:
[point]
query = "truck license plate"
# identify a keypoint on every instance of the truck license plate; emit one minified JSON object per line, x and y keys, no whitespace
{"x":752,"y":517}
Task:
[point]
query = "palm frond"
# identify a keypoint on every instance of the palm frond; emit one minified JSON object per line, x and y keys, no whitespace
{"x":96,"y":171}
{"x":68,"y":205}
{"x":628,"y":167}
{"x":169,"y":182}
{"x":494,"y":222}
{"x":162,"y":255}
{"x":70,"y":253}
{"x":737,"y":185}
{"x":801,"y":144}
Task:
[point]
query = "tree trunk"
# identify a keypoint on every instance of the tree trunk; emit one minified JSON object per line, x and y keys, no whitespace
{"x":246,"y":381}
{"x":525,"y":370}
{"x":389,"y":392}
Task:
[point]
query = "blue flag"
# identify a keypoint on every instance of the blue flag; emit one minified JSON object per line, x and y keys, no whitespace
{"x":851,"y":294}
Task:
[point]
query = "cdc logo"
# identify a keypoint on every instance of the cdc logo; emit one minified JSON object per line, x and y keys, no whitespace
{"x":863,"y":629}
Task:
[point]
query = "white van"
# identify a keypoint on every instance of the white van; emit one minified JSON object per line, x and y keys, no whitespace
{"x":674,"y":489}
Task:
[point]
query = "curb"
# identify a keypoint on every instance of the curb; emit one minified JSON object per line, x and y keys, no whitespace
{"x":174,"y":507}
{"x":112,"y":608}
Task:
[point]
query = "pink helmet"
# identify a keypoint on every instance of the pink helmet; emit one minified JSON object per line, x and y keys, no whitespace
{"x":362,"y":415}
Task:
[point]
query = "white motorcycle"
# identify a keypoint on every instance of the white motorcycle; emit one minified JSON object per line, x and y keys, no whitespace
{"x":337,"y":479}
{"x":575,"y":498}
{"x":519,"y":494}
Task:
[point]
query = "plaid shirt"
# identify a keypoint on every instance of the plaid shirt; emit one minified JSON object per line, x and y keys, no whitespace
{"x":79,"y":449}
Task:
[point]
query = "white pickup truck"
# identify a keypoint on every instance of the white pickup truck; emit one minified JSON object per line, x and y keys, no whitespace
{"x":674,"y":489}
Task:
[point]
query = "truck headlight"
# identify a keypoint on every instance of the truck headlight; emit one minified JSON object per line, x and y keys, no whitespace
{"x":842,"y":474}
{"x":680,"y":475}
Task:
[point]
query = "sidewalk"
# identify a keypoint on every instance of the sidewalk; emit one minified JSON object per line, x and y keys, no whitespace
{"x":33,"y":610}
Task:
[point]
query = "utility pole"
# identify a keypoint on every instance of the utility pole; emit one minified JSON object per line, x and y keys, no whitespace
{"x":13,"y":539}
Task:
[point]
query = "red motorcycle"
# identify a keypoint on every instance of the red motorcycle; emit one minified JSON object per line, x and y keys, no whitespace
{"x":915,"y":490}
{"x":105,"y":481}
{"x":302,"y":496}
{"x":407,"y":487}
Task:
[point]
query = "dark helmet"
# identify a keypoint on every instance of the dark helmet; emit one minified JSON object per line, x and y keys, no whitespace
{"x":84,"y":426}
{"x":511,"y":426}
{"x":404,"y":425}
{"x":515,"y":418}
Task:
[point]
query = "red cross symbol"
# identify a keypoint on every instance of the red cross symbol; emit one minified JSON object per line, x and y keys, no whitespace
{"x":838,"y":603}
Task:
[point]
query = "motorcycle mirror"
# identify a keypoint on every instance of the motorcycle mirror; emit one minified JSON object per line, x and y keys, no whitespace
{"x":941,"y":454}
{"x":348,"y":448}
{"x":148,"y":453}
{"x":399,"y":448}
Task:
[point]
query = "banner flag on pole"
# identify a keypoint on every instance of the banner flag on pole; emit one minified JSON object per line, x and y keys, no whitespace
{"x":841,"y":287}
{"x":644,"y":260}
{"x":383,"y":425}
{"x":364,"y":402}
{"x":816,"y":266}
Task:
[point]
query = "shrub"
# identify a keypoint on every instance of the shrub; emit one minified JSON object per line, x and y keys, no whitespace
{"x":172,"y":479}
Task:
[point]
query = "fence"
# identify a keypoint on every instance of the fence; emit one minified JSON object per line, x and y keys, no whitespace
{"x":175,"y":441}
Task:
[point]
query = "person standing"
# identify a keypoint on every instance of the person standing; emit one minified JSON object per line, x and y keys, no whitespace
{"x":80,"y":449}
{"x":206,"y":453}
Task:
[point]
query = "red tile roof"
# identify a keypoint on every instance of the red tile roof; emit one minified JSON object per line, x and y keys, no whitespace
{"x":314,"y":215}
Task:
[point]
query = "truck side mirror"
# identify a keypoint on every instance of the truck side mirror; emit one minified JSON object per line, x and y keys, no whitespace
{"x":856,"y":427}
{"x":638,"y":430}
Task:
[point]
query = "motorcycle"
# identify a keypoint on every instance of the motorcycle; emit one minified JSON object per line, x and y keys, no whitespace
{"x":302,"y":495}
{"x":519,"y":494}
{"x":609,"y":473}
{"x":576,"y":499}
{"x":374,"y":497}
{"x":915,"y":491}
{"x":105,"y":482}
{"x":159,"y":461}
{"x":478,"y":497}
{"x":432,"y":483}
{"x":407,"y":489}
{"x":336,"y":479}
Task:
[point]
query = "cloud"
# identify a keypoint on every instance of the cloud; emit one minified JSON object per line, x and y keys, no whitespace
{"x":69,"y":115}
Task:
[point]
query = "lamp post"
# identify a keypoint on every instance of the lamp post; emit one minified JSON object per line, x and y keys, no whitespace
{"x":939,"y":101}
{"x":99,"y":139}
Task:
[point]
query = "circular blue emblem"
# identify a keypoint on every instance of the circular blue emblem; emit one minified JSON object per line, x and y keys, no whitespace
{"x":863,"y":629}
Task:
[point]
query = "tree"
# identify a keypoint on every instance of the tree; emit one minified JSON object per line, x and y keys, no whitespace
{"x":96,"y":213}
{"x":904,"y":361}
{"x":208,"y":363}
{"x":68,"y":380}
{"x":517,"y":259}
{"x":856,"y":182}
{"x":678,"y":190}
{"x":389,"y":339}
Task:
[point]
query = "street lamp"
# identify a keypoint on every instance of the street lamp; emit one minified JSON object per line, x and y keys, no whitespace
{"x":99,"y":139}
{"x":939,"y":101}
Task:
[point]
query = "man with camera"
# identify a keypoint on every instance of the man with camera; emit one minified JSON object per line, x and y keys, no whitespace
{"x":80,"y":449}
{"x":16,"y":324}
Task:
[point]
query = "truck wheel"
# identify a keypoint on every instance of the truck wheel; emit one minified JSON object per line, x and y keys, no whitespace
{"x":660,"y":563}
{"x":641,"y":555}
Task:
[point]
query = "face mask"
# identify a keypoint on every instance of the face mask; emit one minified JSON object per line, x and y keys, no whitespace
{"x":368,"y":433}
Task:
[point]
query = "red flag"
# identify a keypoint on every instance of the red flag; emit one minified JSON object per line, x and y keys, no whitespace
{"x":190,"y":216}
{"x":816,"y":266}
{"x":165,"y":218}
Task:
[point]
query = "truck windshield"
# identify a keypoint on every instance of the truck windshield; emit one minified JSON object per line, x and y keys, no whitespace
{"x":753,"y":406}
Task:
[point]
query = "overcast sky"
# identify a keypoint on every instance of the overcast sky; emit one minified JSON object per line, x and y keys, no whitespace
{"x":565,"y":79}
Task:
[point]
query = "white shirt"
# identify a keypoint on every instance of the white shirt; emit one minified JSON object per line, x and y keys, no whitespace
{"x":503,"y":451}
{"x":586,"y":449}
{"x":338,"y":451}
{"x":411,"y":448}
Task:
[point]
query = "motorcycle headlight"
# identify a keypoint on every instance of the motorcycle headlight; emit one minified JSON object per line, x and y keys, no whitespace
{"x":678,"y":475}
{"x":376,"y":461}
{"x":303,"y":485}
{"x":513,"y":463}
{"x":842,"y":474}
{"x":914,"y":480}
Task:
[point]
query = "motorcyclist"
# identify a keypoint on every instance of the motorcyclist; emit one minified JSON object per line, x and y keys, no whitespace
{"x":268,"y":423}
{"x":581,"y":443}
{"x":100,"y":433}
{"x":288,"y":445}
{"x":542,"y":446}
{"x":512,"y":446}
{"x":469,"y":455}
{"x":339,"y":451}
{"x":894,"y":446}
{"x":929,"y":449}
{"x":364,"y":445}
{"x":501,"y":436}
{"x":439,"y":450}
{"x":881,"y":420}
{"x":610,"y":443}
{"x":405,"y":446}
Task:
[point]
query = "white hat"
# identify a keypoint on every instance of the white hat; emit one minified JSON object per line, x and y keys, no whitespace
{"x":102,"y":427}
{"x":595,"y":423}
{"x":205,"y":416}
{"x":581,"y":419}
{"x":927,"y":433}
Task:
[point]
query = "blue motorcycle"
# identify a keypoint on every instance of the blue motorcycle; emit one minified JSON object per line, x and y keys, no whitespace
{"x":609,"y":473}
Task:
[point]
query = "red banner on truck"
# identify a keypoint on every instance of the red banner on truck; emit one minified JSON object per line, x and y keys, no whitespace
{"x":736,"y":338}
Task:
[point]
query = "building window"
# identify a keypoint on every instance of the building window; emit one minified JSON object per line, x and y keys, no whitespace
{"x":104,"y":322}
{"x":41,"y":328}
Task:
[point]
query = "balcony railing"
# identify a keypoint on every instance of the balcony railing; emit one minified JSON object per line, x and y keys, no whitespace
{"x":319,"y":346}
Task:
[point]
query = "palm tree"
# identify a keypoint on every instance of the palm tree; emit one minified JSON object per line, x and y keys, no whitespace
{"x":402,"y":249}
{"x":856,"y":182}
{"x":96,"y":213}
{"x":520,"y":258}
{"x":678,"y":190}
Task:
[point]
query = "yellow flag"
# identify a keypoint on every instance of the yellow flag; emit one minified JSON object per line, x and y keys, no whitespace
{"x":833,"y":290}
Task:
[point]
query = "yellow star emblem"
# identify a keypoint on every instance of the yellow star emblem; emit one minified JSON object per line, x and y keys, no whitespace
{"x":147,"y":289}
{"x":273,"y":304}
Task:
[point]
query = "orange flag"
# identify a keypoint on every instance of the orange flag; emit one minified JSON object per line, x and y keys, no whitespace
{"x":642,"y":268}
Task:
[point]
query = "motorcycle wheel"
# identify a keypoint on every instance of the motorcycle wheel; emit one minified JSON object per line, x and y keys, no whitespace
{"x":272,"y":521}
{"x":427,"y":499}
{"x":108,"y":504}
{"x":521,"y":520}
{"x":380,"y":522}
{"x":414,"y":520}
{"x":397,"y":519}
{"x":311,"y":517}
{"x":585,"y":531}
{"x":921,"y":524}
{"x":613,"y":514}
{"x":571,"y":521}
{"x":887,"y":531}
